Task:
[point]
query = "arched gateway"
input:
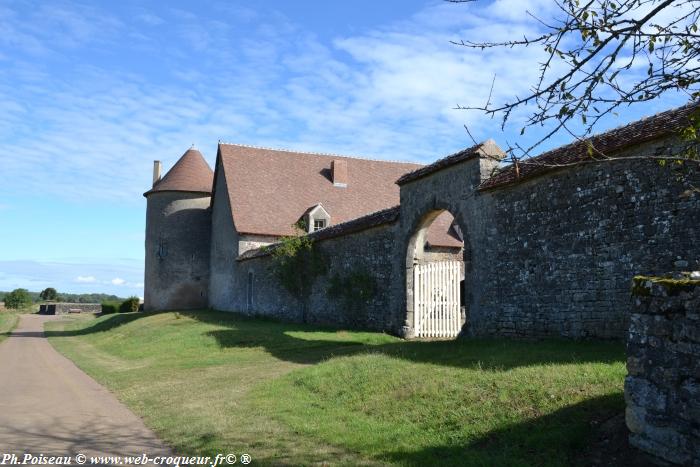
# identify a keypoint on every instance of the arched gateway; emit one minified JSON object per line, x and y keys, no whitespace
{"x":439,"y":284}
{"x":434,"y":277}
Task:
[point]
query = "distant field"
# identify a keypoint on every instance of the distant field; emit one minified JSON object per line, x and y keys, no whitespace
{"x":211,"y":382}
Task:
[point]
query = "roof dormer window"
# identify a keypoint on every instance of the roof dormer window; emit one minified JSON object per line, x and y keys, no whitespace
{"x":319,"y":224}
{"x":317,"y":218}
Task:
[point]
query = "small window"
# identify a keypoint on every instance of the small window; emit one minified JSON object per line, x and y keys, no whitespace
{"x":319,"y":224}
{"x":162,"y":251}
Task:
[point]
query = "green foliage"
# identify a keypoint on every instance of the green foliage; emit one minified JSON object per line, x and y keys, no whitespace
{"x":641,"y":285}
{"x":355,"y":290}
{"x":89,"y":298}
{"x":691,"y":135}
{"x":297,"y":265}
{"x":129,"y":305}
{"x":49,"y":294}
{"x":74,"y":298}
{"x":18,"y":298}
{"x":110,"y":307}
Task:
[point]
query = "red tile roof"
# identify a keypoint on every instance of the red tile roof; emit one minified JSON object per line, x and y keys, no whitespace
{"x":441,"y":233}
{"x":191,"y":173}
{"x":270,"y":189}
{"x":647,"y":129}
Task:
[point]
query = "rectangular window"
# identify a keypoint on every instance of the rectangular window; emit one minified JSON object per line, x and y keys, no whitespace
{"x":319,"y":224}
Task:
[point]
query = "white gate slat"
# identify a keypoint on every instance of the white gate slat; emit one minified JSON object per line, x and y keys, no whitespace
{"x":455,"y":298}
{"x":446,"y":299}
{"x":443,"y":304}
{"x":433,"y":284}
{"x":436,"y":308}
{"x":444,"y":290}
{"x":416,"y":300}
{"x":429,"y":300}
{"x":455,"y":294}
{"x":441,"y":296}
{"x":433,"y":268}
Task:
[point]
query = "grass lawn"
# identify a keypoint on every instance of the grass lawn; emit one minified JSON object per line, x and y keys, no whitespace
{"x":211,"y":382}
{"x":8,"y":321}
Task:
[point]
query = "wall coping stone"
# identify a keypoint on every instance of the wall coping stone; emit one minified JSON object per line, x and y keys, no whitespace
{"x":375,"y":219}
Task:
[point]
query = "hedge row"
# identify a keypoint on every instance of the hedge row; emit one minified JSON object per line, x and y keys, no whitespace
{"x":129,"y":305}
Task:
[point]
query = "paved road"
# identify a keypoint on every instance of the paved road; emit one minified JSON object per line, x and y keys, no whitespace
{"x":48,"y":406}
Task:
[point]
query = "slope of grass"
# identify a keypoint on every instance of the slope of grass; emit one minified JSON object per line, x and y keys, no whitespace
{"x":8,"y":321}
{"x":211,"y":382}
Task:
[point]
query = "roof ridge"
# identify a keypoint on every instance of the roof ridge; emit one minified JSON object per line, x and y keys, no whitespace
{"x":315,"y":153}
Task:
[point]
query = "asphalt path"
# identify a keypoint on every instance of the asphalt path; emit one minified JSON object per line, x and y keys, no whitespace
{"x":49,"y":407}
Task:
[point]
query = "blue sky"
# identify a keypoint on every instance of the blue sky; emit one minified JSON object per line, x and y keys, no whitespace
{"x":92,"y":92}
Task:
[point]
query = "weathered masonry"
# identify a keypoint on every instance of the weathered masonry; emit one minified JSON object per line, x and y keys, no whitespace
{"x":546,"y":248}
{"x":662,"y":389}
{"x":63,"y":308}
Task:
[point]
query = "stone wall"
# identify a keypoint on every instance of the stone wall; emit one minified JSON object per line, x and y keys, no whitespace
{"x":548,"y":254}
{"x":364,"y":256}
{"x":63,"y":308}
{"x":662,"y":389}
{"x":224,"y":249}
{"x":552,"y":255}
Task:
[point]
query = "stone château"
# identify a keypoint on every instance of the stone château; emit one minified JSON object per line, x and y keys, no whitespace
{"x":546,"y":247}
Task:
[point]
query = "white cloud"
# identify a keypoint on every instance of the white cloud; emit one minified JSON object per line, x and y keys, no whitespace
{"x":85,"y":279}
{"x":389,"y":92}
{"x":117,"y":281}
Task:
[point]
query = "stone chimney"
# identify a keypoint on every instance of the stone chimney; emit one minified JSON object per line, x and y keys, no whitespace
{"x":339,"y":172}
{"x":156,"y":171}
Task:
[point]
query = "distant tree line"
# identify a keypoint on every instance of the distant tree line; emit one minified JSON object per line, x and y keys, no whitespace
{"x":20,"y":298}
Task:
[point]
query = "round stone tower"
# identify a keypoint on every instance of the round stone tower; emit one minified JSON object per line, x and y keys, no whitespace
{"x":178,"y":232}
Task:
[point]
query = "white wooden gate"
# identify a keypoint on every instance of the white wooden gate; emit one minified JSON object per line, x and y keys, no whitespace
{"x":436,"y":305}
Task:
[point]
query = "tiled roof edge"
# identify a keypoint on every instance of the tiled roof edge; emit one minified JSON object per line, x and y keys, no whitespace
{"x":471,"y":152}
{"x":375,"y":219}
{"x":662,"y":124}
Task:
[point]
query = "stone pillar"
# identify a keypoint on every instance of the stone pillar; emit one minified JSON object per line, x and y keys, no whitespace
{"x":662,"y":389}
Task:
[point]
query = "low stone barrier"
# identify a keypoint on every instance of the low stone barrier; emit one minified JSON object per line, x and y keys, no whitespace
{"x":63,"y":308}
{"x":662,"y":389}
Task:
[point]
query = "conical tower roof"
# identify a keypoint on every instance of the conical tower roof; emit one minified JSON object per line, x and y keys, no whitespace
{"x":191,"y":174}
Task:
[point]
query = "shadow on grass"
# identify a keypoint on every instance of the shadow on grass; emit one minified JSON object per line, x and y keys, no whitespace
{"x":113,"y":321}
{"x":562,"y":438}
{"x":309,"y":344}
